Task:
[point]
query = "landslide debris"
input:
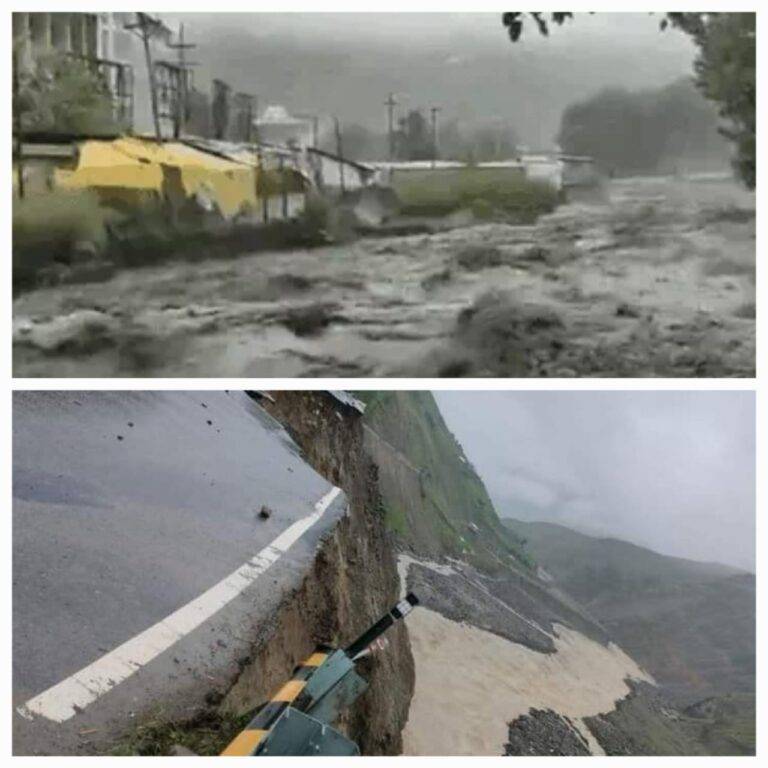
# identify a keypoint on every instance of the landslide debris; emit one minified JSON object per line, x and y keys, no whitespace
{"x":544,"y":732}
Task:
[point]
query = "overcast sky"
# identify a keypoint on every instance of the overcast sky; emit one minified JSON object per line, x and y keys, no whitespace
{"x":344,"y":64}
{"x":672,"y":471}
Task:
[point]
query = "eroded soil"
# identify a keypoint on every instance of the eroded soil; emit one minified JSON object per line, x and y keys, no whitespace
{"x":645,"y":277}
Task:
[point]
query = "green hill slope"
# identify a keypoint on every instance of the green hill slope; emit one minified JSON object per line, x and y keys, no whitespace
{"x":435,"y":503}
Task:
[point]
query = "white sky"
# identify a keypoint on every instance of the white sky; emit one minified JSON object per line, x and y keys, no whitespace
{"x":672,"y":471}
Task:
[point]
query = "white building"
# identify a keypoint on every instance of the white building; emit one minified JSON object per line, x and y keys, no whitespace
{"x":277,"y":126}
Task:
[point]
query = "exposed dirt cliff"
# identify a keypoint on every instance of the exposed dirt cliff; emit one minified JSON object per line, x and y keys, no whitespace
{"x":356,"y":571}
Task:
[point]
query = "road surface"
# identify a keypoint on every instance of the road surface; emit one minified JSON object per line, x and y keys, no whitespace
{"x":142,"y":570}
{"x":651,"y":277}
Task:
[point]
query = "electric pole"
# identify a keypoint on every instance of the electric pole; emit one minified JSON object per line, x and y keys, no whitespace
{"x":18,"y":124}
{"x":390,"y":104}
{"x":433,"y":115}
{"x":181,"y":106}
{"x":339,"y":152}
{"x":315,"y":119}
{"x":143,"y":25}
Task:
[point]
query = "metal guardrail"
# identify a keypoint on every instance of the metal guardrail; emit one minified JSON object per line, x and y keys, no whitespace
{"x":297,"y":719}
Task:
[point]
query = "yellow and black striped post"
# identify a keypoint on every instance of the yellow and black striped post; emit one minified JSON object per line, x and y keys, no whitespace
{"x":248,"y":740}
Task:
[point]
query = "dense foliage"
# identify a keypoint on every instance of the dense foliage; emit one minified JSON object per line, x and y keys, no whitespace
{"x":644,"y":131}
{"x":62,"y":94}
{"x":725,"y":73}
{"x":724,"y":68}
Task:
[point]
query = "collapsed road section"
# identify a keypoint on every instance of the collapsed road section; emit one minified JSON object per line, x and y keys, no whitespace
{"x":172,"y":550}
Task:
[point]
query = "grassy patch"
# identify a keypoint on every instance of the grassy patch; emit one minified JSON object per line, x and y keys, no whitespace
{"x":50,"y":230}
{"x":47,"y":228}
{"x":488,"y":192}
{"x":453,"y":513}
{"x":395,"y":519}
{"x":206,"y":734}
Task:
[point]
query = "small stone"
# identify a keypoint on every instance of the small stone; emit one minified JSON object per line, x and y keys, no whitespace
{"x":179,"y":750}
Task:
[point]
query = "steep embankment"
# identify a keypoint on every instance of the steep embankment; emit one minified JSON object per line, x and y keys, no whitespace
{"x":357,"y":567}
{"x":347,"y":584}
{"x":491,"y":639}
{"x":509,"y":660}
{"x":691,"y":624}
{"x":434,"y":501}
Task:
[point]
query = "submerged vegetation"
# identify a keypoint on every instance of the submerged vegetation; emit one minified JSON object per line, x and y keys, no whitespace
{"x":489,"y":193}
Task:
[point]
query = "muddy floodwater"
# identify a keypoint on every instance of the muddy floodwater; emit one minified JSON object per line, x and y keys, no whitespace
{"x":643,"y":277}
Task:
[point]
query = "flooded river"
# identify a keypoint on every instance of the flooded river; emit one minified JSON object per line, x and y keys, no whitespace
{"x":647,"y":277}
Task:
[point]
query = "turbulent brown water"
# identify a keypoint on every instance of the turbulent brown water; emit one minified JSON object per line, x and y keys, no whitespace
{"x":647,"y":277}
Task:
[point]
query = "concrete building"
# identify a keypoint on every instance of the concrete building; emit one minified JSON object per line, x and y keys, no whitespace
{"x":113,"y":47}
{"x":85,"y":36}
{"x":277,"y":126}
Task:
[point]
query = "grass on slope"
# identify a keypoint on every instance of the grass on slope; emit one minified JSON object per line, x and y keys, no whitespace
{"x":451,"y":513}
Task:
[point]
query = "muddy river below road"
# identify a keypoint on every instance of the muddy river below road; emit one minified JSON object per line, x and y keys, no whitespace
{"x":645,"y":277}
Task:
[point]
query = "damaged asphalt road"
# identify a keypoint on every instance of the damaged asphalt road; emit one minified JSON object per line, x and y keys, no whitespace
{"x":143,"y":572}
{"x":645,"y":277}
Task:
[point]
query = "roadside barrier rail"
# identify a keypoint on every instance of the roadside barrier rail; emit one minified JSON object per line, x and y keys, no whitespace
{"x":297,"y":719}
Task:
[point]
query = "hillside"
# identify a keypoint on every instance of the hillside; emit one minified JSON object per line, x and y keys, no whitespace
{"x":435,"y":503}
{"x":692,"y":625}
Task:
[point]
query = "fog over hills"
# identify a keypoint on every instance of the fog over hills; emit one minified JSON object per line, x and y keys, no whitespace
{"x":692,"y":625}
{"x":345,"y":64}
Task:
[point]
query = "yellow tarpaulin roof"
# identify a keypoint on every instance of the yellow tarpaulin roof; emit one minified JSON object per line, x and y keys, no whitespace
{"x":178,"y":154}
{"x":137,"y":164}
{"x":231,"y":185}
{"x":102,"y":164}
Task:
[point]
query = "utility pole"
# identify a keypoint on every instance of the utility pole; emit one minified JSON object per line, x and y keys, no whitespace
{"x":390,"y":104}
{"x":315,"y":130}
{"x":18,"y":123}
{"x":339,"y":152}
{"x":433,"y":115}
{"x":315,"y":120}
{"x":249,"y":118}
{"x":182,"y":105}
{"x":244,"y":105}
{"x":143,"y":25}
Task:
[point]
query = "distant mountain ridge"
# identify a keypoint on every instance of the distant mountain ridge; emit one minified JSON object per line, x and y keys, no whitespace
{"x":691,"y":624}
{"x":471,"y":77}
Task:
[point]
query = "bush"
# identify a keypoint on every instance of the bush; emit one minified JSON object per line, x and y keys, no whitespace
{"x":49,"y":227}
{"x":488,"y":192}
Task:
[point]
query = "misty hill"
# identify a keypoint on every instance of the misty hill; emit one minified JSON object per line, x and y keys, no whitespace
{"x":332,"y":65}
{"x":692,"y":625}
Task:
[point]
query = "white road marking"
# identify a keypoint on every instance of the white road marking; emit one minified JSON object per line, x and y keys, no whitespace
{"x":66,"y":698}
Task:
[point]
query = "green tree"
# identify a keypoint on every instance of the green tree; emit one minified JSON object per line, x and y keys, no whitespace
{"x":62,"y":94}
{"x":725,"y":73}
{"x":644,"y":131}
{"x":413,"y":139}
{"x":724,"y":68}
